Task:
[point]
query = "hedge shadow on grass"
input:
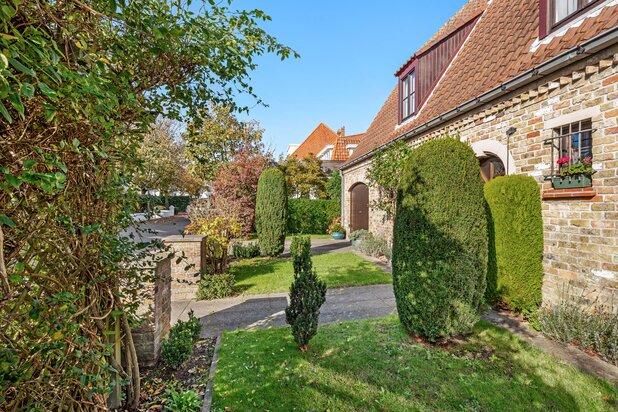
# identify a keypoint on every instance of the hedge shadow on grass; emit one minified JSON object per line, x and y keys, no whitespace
{"x":373,"y":365}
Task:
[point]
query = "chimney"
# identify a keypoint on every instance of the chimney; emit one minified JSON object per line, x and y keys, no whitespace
{"x":341,"y":132}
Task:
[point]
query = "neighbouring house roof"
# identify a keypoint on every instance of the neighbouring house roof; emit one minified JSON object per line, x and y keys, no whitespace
{"x":503,"y":44}
{"x":319,"y":138}
{"x":324,"y":137}
{"x":343,"y":145}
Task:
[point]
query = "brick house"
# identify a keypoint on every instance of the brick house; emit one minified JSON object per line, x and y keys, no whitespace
{"x":332,"y":148}
{"x":524,"y":83}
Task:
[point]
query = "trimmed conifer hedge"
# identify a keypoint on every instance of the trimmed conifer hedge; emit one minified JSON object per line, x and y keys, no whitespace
{"x":440,"y":240}
{"x":515,"y":272}
{"x":311,"y":216}
{"x":271,"y":211}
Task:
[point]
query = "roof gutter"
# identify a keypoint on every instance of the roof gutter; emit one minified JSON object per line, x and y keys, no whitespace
{"x":587,"y":48}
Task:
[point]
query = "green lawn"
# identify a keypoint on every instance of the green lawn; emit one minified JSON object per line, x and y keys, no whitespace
{"x":372,"y":365}
{"x":263,"y":275}
{"x":320,"y":236}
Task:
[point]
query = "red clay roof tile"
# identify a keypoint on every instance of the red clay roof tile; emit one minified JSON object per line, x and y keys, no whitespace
{"x":498,"y":49}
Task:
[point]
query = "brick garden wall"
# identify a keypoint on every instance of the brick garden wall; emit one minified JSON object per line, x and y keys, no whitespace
{"x":156,"y":311}
{"x":580,"y":233}
{"x":184,"y":279}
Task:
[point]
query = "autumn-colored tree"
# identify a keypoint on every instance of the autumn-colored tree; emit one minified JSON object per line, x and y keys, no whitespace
{"x":304,"y":177}
{"x":219,"y":138}
{"x":235,"y":187}
{"x":161,"y":156}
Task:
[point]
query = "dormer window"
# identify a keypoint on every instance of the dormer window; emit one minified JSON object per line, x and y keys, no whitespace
{"x":556,"y":13}
{"x":408,"y":95}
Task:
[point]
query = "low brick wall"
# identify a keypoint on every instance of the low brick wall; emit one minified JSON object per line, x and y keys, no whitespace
{"x":156,"y":311}
{"x":184,"y":279}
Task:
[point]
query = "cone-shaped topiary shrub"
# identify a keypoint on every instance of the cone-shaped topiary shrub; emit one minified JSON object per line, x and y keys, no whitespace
{"x":515,"y":272}
{"x":271,"y":211}
{"x":300,"y":249}
{"x":440,"y":240}
{"x":307,"y":294}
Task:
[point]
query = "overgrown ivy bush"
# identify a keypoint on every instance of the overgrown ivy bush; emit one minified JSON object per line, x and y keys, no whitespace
{"x":587,"y":328}
{"x":371,"y":245}
{"x":246,"y":251}
{"x":440,"y":240}
{"x":215,"y":286}
{"x":80,"y":84}
{"x":311,"y":216}
{"x":515,"y":272}
{"x":271,"y":212}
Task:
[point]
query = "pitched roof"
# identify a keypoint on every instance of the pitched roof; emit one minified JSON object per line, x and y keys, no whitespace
{"x":468,"y":12}
{"x":502,"y":41}
{"x":320,"y":137}
{"x":341,"y":151}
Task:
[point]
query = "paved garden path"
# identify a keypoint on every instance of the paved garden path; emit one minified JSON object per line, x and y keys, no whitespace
{"x":267,"y":310}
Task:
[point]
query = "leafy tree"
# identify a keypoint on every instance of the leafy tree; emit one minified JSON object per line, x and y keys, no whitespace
{"x":235,"y":187}
{"x":217,"y":138}
{"x":384,"y":173}
{"x":440,"y":240}
{"x":333,"y":186}
{"x":162,"y":158}
{"x":80,"y":84}
{"x":304,"y":177}
{"x":271,"y":211}
{"x":307,"y":294}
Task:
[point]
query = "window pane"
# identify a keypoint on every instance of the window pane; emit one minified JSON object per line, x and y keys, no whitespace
{"x":564,"y":8}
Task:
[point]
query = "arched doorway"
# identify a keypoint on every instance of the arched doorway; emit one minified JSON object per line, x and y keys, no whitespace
{"x":359,"y":207}
{"x":491,"y":167}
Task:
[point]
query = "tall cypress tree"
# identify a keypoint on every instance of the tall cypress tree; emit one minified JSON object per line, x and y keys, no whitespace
{"x":271,"y":212}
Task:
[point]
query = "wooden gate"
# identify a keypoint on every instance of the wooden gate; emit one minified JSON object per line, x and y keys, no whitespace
{"x":359,"y":207}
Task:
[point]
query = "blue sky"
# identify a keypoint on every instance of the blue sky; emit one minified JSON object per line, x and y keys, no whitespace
{"x":349,"y":52}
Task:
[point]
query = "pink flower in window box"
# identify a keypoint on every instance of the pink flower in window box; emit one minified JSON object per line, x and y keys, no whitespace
{"x":563,"y":161}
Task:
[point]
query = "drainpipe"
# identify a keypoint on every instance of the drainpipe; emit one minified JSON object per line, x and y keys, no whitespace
{"x":509,"y":133}
{"x":342,"y":197}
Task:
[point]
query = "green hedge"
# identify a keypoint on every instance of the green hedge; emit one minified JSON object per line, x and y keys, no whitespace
{"x":440,"y":240}
{"x":271,"y":211}
{"x":180,"y":203}
{"x":515,"y":273}
{"x":311,"y":216}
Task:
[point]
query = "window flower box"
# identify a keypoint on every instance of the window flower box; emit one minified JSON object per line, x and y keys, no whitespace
{"x":572,"y":181}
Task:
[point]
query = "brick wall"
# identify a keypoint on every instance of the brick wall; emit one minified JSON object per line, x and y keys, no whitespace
{"x":184,"y":279}
{"x":156,"y":313}
{"x":580,"y":227}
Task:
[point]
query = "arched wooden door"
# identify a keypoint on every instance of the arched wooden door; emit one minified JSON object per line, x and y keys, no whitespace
{"x":359,"y":207}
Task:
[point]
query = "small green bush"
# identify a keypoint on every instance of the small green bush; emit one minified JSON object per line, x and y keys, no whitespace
{"x":180,"y":203}
{"x":186,"y":401}
{"x":300,"y":249}
{"x":515,"y":271}
{"x":216,"y":286}
{"x":246,"y":251}
{"x":440,"y":240}
{"x":590,"y":330}
{"x":177,"y":348}
{"x":371,"y":245}
{"x":193,"y":325}
{"x":311,"y":216}
{"x":271,"y":212}
{"x":333,"y":186}
{"x":359,"y":234}
{"x":307,"y":294}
